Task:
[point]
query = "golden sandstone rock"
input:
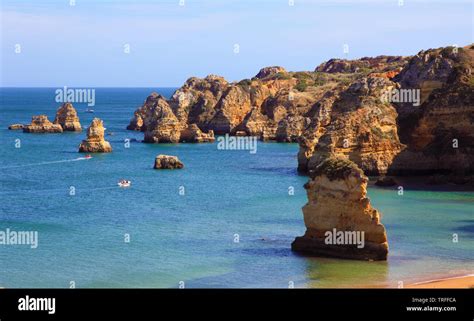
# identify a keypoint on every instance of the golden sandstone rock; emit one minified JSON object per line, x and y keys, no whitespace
{"x":95,"y":142}
{"x":357,"y":125}
{"x":225,"y":108}
{"x":400,"y":138}
{"x":340,"y":222}
{"x":339,"y":111}
{"x":66,"y":116}
{"x":167,"y":162}
{"x":41,"y":124}
{"x":192,"y":134}
{"x":16,"y":126}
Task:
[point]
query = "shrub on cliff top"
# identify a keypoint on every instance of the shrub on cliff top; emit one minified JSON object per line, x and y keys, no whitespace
{"x":302,"y":75}
{"x":336,"y":168}
{"x":281,"y":76}
{"x":245,"y":82}
{"x":301,"y":85}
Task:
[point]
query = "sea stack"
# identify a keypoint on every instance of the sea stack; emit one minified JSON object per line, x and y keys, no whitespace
{"x":340,"y":222}
{"x":167,"y":162}
{"x":95,"y":142}
{"x":41,"y":124}
{"x":66,"y":116}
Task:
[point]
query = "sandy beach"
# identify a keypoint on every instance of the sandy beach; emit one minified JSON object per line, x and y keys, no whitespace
{"x":461,"y":282}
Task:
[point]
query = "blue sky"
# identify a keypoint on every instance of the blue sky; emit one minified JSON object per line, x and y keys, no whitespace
{"x":83,"y":45}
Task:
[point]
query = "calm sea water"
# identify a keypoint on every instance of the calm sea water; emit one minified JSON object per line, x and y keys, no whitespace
{"x":228,"y":195}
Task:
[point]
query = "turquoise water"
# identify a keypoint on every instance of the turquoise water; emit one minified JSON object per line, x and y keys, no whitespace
{"x":191,"y":237}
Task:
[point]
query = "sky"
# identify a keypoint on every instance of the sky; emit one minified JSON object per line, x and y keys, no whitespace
{"x":163,"y":43}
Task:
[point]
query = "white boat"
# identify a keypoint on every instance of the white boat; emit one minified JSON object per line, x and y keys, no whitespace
{"x":124,"y":183}
{"x":89,"y":110}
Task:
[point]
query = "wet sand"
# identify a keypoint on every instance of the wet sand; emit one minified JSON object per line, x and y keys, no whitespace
{"x":461,"y":282}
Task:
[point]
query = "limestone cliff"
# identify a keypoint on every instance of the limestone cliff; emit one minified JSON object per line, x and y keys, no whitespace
{"x":398,"y":137}
{"x":337,"y":110}
{"x":340,"y":222}
{"x":439,"y":133}
{"x":160,"y":124}
{"x":95,"y":142}
{"x":266,"y":106}
{"x":359,"y":126}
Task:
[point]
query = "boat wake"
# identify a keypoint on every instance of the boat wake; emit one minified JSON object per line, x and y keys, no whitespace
{"x":48,"y":163}
{"x":29,"y":192}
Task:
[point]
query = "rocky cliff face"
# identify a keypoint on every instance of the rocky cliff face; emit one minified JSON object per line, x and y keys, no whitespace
{"x":439,"y":133}
{"x":95,"y":142}
{"x":426,"y":127}
{"x":41,"y":124}
{"x":160,"y":123}
{"x":267,"y":106}
{"x":192,"y":134}
{"x":337,"y":110}
{"x":66,"y":116}
{"x":398,"y":137}
{"x":356,"y":125}
{"x":372,"y":64}
{"x":268,"y":71}
{"x":340,"y":222}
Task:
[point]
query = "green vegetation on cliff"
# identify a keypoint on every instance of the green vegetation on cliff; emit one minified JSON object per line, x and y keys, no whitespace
{"x":336,"y":168}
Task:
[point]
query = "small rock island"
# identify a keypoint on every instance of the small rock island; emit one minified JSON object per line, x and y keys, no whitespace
{"x":66,"y":120}
{"x":167,"y":162}
{"x":66,"y":116}
{"x":41,"y":124}
{"x":95,"y":142}
{"x":16,"y":126}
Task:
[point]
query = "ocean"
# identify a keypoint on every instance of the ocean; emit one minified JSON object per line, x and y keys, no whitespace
{"x":226,"y":220}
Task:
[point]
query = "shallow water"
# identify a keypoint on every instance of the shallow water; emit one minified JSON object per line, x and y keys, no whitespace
{"x":228,"y":195}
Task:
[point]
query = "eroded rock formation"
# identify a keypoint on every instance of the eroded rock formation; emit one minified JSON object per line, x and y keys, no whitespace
{"x":167,"y":162}
{"x":340,"y":222}
{"x":434,"y":135}
{"x":192,"y":134}
{"x":370,"y":64}
{"x":274,"y":105}
{"x":265,"y":106}
{"x":41,"y":124}
{"x":66,"y":116}
{"x":427,"y":129}
{"x":439,"y":133}
{"x":16,"y":126}
{"x":161,"y":125}
{"x":337,"y":110}
{"x":356,"y":124}
{"x":95,"y":142}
